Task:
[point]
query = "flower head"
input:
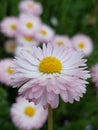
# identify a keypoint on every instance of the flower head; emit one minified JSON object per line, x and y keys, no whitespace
{"x":30,"y":7}
{"x":26,"y":115}
{"x":26,"y":40}
{"x":62,"y":40}
{"x":83,"y":43}
{"x":10,"y":46}
{"x":94,"y":74}
{"x":29,"y":25}
{"x":9,"y":26}
{"x":24,"y":48}
{"x":5,"y":71}
{"x":45,"y":34}
{"x":50,"y":72}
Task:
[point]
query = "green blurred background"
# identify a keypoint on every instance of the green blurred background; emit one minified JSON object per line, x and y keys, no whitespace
{"x":74,"y":16}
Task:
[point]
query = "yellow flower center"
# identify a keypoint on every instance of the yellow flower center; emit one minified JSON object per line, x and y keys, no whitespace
{"x":60,"y":42}
{"x":28,"y":38}
{"x":29,"y":111}
{"x":29,"y":25}
{"x":10,"y":70}
{"x":50,"y":65}
{"x":12,"y":47}
{"x":13,"y":27}
{"x":30,"y":4}
{"x":27,"y":50}
{"x":81,"y":45}
{"x":43,"y":32}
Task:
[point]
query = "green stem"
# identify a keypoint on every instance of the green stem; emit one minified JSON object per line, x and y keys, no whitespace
{"x":97,"y":92}
{"x":50,"y":118}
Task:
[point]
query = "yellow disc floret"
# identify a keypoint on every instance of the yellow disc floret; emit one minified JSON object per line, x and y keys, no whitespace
{"x":10,"y":70}
{"x":30,"y":4}
{"x":81,"y":45}
{"x":29,"y":111}
{"x":43,"y":32}
{"x":28,"y":38}
{"x":29,"y":24}
{"x":50,"y":65}
{"x":13,"y":27}
{"x":11,"y":47}
{"x":60,"y":42}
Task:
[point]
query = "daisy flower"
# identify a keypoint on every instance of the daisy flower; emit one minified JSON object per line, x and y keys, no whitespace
{"x":9,"y":26}
{"x":6,"y":70}
{"x":30,"y":7}
{"x":23,"y":48}
{"x":26,"y":40}
{"x":65,"y":40}
{"x":26,"y":115}
{"x":28,"y":25}
{"x":83,"y":43}
{"x":10,"y":46}
{"x":45,"y":34}
{"x":94,"y":74}
{"x":50,"y":72}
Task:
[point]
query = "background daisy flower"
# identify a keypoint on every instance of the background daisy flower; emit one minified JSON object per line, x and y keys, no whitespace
{"x":28,"y":25}
{"x":45,"y":34}
{"x":6,"y":70}
{"x":10,"y":46}
{"x":61,"y":39}
{"x":26,"y":40}
{"x":83,"y":43}
{"x":30,"y":7}
{"x":23,"y":48}
{"x":9,"y":26}
{"x":94,"y":74}
{"x":50,"y":72}
{"x":26,"y":116}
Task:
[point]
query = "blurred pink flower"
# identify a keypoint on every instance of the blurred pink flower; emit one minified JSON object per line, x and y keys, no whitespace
{"x":94,"y":74}
{"x":6,"y":70}
{"x":23,"y":48}
{"x":50,"y":72}
{"x":30,"y":7}
{"x":62,"y":40}
{"x":28,"y":25}
{"x":10,"y":46}
{"x":9,"y":26}
{"x":45,"y":34}
{"x":83,"y":43}
{"x":26,"y":40}
{"x":26,"y":115}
